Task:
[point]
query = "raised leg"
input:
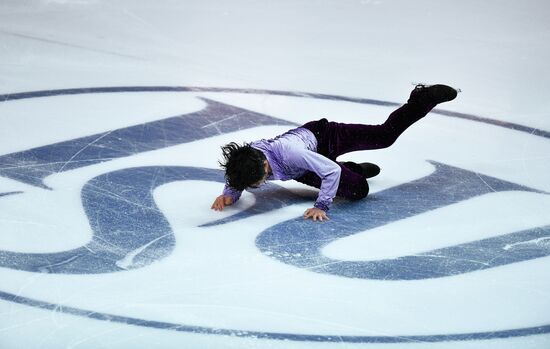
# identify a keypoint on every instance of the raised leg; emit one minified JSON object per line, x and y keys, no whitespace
{"x":335,"y":139}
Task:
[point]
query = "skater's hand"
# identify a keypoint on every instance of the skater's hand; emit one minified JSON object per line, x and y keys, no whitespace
{"x":315,"y":213}
{"x":221,"y":201}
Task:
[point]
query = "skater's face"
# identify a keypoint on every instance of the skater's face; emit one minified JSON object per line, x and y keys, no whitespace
{"x":264,"y":178}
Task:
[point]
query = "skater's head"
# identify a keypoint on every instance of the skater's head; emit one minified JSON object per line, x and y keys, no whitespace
{"x":244,"y":166}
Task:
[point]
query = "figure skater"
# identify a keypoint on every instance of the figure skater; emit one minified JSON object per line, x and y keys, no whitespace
{"x":308,"y":154}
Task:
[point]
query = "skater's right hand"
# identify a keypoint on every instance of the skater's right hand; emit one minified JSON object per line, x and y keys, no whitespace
{"x":221,"y":201}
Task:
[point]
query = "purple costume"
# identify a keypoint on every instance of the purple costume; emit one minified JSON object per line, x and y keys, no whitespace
{"x":308,"y":153}
{"x":293,"y":154}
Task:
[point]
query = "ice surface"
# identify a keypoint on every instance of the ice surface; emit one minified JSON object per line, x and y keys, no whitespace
{"x":112,"y":115}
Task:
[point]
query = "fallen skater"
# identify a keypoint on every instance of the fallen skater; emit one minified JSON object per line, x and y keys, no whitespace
{"x":308,"y":154}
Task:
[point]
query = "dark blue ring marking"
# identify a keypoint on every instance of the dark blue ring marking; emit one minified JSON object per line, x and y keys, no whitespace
{"x":519,"y":332}
{"x":10,"y":193}
{"x":74,"y":91}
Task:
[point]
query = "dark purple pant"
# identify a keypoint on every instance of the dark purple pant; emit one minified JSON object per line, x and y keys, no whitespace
{"x":335,"y":139}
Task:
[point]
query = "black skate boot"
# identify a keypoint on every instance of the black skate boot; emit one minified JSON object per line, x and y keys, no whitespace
{"x":432,"y":94}
{"x":365,"y":169}
{"x":369,"y":170}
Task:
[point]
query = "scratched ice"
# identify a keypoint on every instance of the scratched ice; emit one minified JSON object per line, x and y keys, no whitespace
{"x":112,"y":116}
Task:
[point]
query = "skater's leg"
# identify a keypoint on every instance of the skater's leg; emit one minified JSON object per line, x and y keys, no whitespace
{"x":352,"y":185}
{"x":347,"y":138}
{"x":335,"y":139}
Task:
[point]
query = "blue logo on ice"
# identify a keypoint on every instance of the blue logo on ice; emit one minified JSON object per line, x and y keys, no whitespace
{"x":130,"y":232}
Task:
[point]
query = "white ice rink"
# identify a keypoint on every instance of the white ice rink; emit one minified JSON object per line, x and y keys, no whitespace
{"x":112,"y":114}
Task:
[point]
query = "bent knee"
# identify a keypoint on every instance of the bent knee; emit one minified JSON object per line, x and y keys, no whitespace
{"x":359,"y":191}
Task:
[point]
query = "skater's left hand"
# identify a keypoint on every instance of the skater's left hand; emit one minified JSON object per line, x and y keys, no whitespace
{"x":315,"y":213}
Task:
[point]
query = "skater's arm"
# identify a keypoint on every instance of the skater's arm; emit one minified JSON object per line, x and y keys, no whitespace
{"x":221,"y":201}
{"x":233,"y":193}
{"x":315,"y":214}
{"x":327,"y":170}
{"x":229,"y":197}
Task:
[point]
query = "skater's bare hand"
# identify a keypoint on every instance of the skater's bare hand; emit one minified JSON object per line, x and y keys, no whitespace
{"x":315,"y":214}
{"x":221,"y":201}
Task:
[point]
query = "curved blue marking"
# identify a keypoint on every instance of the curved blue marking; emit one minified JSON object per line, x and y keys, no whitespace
{"x":281,"y":336}
{"x":33,"y":165}
{"x":299,"y":243}
{"x":129,"y":231}
{"x":519,"y":332}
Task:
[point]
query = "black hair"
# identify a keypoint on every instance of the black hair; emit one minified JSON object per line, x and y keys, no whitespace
{"x":243,"y":165}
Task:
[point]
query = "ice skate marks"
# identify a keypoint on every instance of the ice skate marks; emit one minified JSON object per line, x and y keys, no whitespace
{"x":47,"y":163}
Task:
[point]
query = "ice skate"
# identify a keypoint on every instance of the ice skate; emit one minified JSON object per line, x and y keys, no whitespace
{"x":432,"y":94}
{"x":365,"y":169}
{"x":369,"y":170}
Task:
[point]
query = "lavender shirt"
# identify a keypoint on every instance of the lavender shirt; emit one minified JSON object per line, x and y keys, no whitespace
{"x":290,"y":156}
